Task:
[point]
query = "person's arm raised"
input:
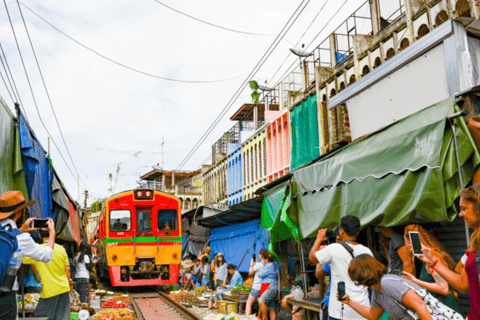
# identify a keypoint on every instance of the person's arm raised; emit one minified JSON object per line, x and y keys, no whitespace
{"x":321,"y":236}
{"x":457,"y":281}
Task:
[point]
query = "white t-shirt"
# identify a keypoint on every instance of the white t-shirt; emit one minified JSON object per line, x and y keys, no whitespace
{"x":81,"y":271}
{"x":257,"y":281}
{"x":338,"y":258}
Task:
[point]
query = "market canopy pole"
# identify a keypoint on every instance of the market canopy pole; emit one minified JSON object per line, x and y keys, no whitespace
{"x":460,"y":173}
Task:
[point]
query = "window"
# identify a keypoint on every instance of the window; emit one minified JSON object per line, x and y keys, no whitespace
{"x":120,"y":220}
{"x":167,"y":220}
{"x":144,"y":220}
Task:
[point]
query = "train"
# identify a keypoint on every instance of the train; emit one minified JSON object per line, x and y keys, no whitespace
{"x":139,"y":238}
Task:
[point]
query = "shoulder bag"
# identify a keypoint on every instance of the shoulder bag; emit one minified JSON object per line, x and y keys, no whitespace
{"x":438,"y":310}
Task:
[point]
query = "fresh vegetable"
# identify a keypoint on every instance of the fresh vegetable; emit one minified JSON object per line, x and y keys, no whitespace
{"x":112,"y":303}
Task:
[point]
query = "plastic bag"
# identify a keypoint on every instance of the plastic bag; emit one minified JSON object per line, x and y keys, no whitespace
{"x":297,"y":293}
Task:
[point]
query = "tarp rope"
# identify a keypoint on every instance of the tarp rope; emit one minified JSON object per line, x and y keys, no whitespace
{"x":254,"y":240}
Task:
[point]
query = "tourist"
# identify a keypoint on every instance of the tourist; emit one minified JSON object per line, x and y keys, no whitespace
{"x":54,"y":300}
{"x":255,"y":268}
{"x":468,"y":281}
{"x":270,"y":286}
{"x":390,"y":293}
{"x":13,"y":213}
{"x":32,"y":281}
{"x":221,"y":270}
{"x":338,"y":256}
{"x":205,"y":270}
{"x":428,"y":279}
{"x":397,"y":254}
{"x":83,"y":263}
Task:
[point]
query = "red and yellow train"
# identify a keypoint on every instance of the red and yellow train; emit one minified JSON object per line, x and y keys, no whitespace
{"x":139,"y":234}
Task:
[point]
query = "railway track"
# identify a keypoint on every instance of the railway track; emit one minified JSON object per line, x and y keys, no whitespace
{"x":157,"y":305}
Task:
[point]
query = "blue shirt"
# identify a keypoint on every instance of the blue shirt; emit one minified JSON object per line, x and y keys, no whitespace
{"x":236,"y":280}
{"x":326,"y":300}
{"x":269,"y":274}
{"x":195,"y":276}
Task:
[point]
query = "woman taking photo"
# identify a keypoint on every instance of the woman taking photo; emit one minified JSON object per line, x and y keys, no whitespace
{"x":83,"y":264}
{"x":429,"y":280}
{"x":269,"y":290}
{"x":391,"y":293}
{"x":468,"y":281}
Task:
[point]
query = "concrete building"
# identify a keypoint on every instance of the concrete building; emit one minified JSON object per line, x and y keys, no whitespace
{"x":254,"y":152}
{"x":185,"y":185}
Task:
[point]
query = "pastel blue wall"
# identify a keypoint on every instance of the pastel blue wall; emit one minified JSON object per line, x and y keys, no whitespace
{"x":235,"y":173}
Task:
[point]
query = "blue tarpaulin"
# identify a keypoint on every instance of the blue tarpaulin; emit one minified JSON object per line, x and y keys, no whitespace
{"x":184,"y":244}
{"x":37,"y":175}
{"x":233,"y":242}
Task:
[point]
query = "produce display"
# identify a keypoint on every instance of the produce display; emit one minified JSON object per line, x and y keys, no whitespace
{"x":184,"y":297}
{"x":31,"y":300}
{"x":200,"y":291}
{"x":123,"y":298}
{"x":241,"y":289}
{"x":112,"y":303}
{"x":120,"y":314}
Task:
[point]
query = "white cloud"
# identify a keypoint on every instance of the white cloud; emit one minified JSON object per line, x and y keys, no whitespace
{"x":102,"y":105}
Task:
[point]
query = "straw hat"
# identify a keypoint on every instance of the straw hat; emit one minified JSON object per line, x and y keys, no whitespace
{"x":208,"y":249}
{"x":12,"y":202}
{"x":219,"y":254}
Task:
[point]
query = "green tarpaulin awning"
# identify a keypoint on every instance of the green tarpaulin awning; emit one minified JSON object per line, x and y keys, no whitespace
{"x":305,"y":139}
{"x":274,"y":217}
{"x":404,"y":173}
{"x":11,"y":166}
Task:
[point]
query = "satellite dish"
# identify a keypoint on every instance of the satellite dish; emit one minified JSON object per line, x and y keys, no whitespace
{"x":264,"y":88}
{"x":300,"y":53}
{"x":157,"y":167}
{"x":140,"y":182}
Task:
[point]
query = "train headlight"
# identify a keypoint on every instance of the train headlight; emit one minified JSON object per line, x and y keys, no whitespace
{"x":114,"y":257}
{"x":139,"y":194}
{"x":148,"y":194}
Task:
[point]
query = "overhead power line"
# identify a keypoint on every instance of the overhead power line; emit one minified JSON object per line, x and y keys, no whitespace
{"x":250,"y":76}
{"x":124,"y":65}
{"x":33,"y":95}
{"x":46,"y":90}
{"x":7,"y":67}
{"x":211,"y":24}
{"x":318,"y":34}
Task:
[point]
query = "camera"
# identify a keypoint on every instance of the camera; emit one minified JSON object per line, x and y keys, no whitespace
{"x":331,"y":234}
{"x":331,"y":237}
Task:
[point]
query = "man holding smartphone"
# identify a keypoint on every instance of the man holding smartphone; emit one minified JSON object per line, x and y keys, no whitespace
{"x":13,"y":214}
{"x":338,"y":256}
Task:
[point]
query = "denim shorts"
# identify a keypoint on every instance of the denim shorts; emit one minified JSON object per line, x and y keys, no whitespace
{"x":255,"y":293}
{"x":270,"y":297}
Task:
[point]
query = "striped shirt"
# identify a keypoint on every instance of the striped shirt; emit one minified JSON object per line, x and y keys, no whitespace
{"x":393,"y":290}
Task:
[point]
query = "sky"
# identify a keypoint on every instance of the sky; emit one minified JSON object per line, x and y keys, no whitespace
{"x":108,"y":113}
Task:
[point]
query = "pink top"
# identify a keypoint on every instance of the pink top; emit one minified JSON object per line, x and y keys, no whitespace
{"x":474,"y":284}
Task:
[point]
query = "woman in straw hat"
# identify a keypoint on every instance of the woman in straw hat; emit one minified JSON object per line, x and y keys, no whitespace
{"x":13,"y":213}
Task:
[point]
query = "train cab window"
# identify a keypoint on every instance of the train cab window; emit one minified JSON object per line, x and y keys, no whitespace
{"x":167,"y":220}
{"x":144,"y":221}
{"x":120,"y":220}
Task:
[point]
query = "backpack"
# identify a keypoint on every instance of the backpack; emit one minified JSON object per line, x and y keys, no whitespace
{"x":8,"y":245}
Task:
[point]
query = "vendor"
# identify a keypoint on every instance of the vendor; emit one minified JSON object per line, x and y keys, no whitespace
{"x":74,"y":298}
{"x":236,"y":280}
{"x":297,"y":278}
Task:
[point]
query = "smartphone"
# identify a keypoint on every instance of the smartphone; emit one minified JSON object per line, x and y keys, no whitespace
{"x":416,"y":243}
{"x":254,"y":258}
{"x":40,"y":224}
{"x":341,"y":290}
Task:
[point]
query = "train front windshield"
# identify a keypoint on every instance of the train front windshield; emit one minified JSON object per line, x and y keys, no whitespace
{"x":167,"y":220}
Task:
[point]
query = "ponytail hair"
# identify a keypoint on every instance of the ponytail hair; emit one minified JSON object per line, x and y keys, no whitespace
{"x":268,"y":256}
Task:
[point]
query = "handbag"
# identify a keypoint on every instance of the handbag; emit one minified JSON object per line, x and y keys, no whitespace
{"x":438,"y":310}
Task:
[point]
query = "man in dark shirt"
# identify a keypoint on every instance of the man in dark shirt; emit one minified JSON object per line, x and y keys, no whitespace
{"x":397,"y":254}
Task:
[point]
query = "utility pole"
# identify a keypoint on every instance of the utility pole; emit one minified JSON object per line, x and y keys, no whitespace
{"x":85,"y":220}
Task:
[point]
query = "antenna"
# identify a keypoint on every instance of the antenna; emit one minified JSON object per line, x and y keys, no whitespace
{"x":301,"y":54}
